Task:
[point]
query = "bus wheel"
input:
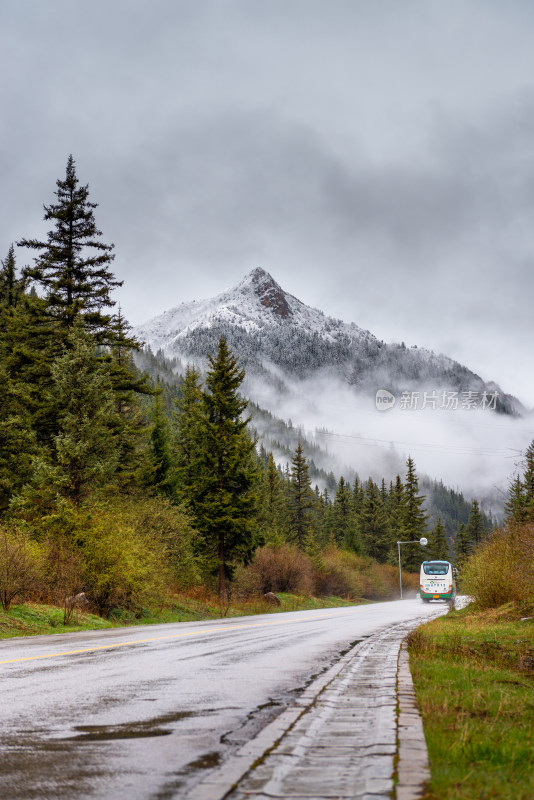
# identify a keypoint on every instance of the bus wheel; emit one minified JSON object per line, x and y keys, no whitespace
{"x":425,"y":599}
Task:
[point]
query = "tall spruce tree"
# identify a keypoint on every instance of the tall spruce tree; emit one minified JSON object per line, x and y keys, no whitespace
{"x":222,"y":494}
{"x":438,"y":544}
{"x":375,"y":530}
{"x":128,"y":385}
{"x":516,"y":506}
{"x":11,"y":285}
{"x":301,"y":498}
{"x":397,"y":511}
{"x":475,"y":525}
{"x":528,"y":482}
{"x":73,"y":266}
{"x":185,"y":438}
{"x":158,"y":472}
{"x":18,"y":445}
{"x":272,"y":508}
{"x":86,"y":452}
{"x":25,"y":357}
{"x":463,"y":545}
{"x":341,"y":516}
{"x":415,"y":519}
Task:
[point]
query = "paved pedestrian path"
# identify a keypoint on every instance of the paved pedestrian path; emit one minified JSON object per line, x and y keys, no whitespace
{"x":340,"y":740}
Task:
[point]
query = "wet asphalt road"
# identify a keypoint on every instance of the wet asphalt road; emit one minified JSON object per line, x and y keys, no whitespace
{"x":144,"y":712}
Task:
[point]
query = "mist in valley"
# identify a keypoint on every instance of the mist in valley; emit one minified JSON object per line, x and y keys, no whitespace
{"x":474,"y":451}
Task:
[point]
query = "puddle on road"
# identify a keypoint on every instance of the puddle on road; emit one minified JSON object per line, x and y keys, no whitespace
{"x":351,"y":645}
{"x":175,"y":787}
{"x":132,"y":730}
{"x":207,"y":761}
{"x":107,"y":733}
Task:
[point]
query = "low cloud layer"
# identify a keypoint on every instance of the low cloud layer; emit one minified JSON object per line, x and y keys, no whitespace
{"x":477,"y":452}
{"x":377,"y":159}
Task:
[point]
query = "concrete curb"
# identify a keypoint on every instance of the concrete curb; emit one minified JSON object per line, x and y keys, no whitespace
{"x":294,"y":726}
{"x":217,"y":785}
{"x":412,"y":767}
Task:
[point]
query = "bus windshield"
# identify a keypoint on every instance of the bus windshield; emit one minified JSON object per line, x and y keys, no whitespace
{"x":436,"y":568}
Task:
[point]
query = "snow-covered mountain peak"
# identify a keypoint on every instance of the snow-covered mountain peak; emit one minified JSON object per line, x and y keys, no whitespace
{"x":267,"y":291}
{"x":274,"y":334}
{"x":257,"y":304}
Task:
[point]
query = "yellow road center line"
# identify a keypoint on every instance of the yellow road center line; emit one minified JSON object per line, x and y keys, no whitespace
{"x":161,"y":638}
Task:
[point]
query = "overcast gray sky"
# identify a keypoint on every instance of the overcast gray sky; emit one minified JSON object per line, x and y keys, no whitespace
{"x":376,"y":156}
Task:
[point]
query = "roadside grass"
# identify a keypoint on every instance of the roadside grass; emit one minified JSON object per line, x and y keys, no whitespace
{"x":32,"y":619}
{"x":474,"y":678}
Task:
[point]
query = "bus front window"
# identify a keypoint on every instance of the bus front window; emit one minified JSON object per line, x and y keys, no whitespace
{"x":436,"y":568}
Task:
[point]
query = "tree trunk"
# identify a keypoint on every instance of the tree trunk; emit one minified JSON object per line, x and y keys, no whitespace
{"x":223,"y":594}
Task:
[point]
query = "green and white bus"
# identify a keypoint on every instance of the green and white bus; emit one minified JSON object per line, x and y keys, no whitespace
{"x":437,"y":581}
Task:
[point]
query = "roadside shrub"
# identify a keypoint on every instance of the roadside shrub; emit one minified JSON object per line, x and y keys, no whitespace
{"x":341,"y":573}
{"x":172,"y":526}
{"x":276,"y":569}
{"x":346,"y":574}
{"x":384,"y":582}
{"x":332,"y":572}
{"x":501,"y":569}
{"x":122,"y":568}
{"x":125,"y":553}
{"x":20,"y":565}
{"x":63,"y":575}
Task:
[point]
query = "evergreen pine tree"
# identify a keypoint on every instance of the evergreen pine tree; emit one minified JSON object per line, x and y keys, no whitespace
{"x":301,"y":498}
{"x":528,"y":482}
{"x":11,"y":286}
{"x":158,"y":473}
{"x":414,"y":521}
{"x":357,"y":501}
{"x":272,"y":508}
{"x":185,"y":440}
{"x":128,"y":385}
{"x":475,"y":524}
{"x":438,"y":545}
{"x":28,"y":346}
{"x":375,"y":530}
{"x":222,"y":495}
{"x":73,"y":265}
{"x":463,"y":545}
{"x":17,"y":441}
{"x":516,"y":505}
{"x":86,"y":452}
{"x":397,"y":512}
{"x":341,"y":516}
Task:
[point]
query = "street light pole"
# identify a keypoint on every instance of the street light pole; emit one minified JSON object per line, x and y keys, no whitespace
{"x":422,"y":542}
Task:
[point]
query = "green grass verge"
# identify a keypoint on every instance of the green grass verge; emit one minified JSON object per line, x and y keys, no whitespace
{"x":32,"y":619}
{"x":474,"y":679}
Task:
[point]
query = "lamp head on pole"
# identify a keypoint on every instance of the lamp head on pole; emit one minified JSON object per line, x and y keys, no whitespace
{"x":423,"y":541}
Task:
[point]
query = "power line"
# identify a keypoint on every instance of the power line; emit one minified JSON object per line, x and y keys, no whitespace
{"x":366,"y":441}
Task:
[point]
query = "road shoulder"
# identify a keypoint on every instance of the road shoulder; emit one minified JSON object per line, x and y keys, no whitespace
{"x":339,"y":739}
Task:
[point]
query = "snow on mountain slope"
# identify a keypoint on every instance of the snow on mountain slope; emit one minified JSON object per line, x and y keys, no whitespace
{"x":257,"y":304}
{"x":279,"y":338}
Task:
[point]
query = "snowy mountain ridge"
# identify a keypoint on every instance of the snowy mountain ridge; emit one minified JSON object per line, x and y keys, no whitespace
{"x":255,"y":303}
{"x":278,"y":337}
